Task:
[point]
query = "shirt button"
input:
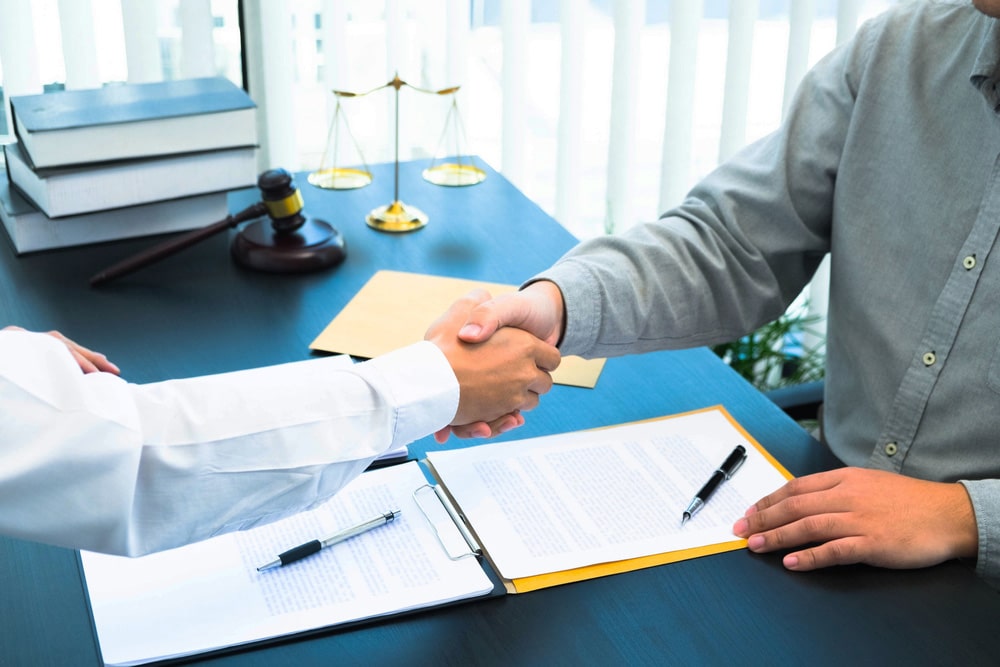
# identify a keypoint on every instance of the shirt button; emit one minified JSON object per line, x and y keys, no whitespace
{"x":969,"y":262}
{"x":929,"y":358}
{"x":891,"y":448}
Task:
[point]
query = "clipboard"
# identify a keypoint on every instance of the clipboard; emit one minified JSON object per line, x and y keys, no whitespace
{"x":209,"y":598}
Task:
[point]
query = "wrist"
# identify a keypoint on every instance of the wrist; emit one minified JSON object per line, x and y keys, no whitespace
{"x":965,"y":531}
{"x":549,"y":294}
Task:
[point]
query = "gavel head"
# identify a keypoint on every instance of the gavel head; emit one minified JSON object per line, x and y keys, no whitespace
{"x":291,"y":241}
{"x":282,"y":199}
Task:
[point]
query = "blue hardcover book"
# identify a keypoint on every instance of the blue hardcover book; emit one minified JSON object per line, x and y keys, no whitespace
{"x":123,"y":121}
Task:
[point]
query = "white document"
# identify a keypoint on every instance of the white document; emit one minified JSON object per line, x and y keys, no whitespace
{"x":210,"y":595}
{"x":560,"y":502}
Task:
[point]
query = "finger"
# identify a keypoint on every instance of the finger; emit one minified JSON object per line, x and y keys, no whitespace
{"x":506,"y":423}
{"x":820,"y":528}
{"x":810,"y":513}
{"x":89,"y":360}
{"x":85,"y":364}
{"x":502,"y":424}
{"x":548,"y":358}
{"x":441,"y":436}
{"x":541,"y":385}
{"x":99,"y":362}
{"x":486,"y":318}
{"x":458,"y":312}
{"x":529,"y":401}
{"x":796,"y":487}
{"x":473,"y":430}
{"x":845,"y":551}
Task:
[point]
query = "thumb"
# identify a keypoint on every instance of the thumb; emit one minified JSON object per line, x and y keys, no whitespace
{"x":487,"y":317}
{"x":457,"y":313}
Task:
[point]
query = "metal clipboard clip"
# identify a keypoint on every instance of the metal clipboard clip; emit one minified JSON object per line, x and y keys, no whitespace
{"x":456,"y":518}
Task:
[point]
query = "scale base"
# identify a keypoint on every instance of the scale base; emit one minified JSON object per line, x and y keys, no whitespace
{"x":396,"y":217}
{"x":314,"y":246}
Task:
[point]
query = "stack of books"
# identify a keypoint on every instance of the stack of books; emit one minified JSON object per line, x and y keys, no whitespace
{"x":125,"y":160}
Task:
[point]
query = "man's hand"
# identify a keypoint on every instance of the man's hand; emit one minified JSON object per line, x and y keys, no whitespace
{"x":537,"y":309}
{"x":498,"y":378}
{"x":482,"y":429}
{"x":855,"y":515}
{"x":89,"y":361}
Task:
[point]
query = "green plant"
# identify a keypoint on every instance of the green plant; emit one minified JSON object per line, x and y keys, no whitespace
{"x":773,"y":355}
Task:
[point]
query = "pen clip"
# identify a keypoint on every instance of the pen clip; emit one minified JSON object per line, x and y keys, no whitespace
{"x":739,"y":464}
{"x":470,"y":541}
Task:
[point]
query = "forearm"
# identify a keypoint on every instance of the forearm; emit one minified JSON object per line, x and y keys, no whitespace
{"x":660,"y":286}
{"x":735,"y":253}
{"x":96,"y":463}
{"x":270,"y":442}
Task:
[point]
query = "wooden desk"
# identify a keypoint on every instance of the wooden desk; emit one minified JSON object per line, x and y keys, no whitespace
{"x":199,"y":313}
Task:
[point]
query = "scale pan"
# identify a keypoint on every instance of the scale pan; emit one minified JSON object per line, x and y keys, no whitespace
{"x":340,"y":178}
{"x":454,"y":174}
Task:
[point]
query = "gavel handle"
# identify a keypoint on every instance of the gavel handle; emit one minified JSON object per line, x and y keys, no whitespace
{"x":175,"y":245}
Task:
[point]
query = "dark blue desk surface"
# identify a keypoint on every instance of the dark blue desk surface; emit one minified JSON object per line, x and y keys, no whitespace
{"x":199,"y":313}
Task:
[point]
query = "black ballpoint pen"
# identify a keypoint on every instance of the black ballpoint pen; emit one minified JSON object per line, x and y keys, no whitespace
{"x":722,"y":473}
{"x":309,"y":548}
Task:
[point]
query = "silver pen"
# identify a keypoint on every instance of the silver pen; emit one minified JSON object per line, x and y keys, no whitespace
{"x":309,"y":548}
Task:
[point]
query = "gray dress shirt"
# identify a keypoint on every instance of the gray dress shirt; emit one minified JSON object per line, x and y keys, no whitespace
{"x":889,"y":160}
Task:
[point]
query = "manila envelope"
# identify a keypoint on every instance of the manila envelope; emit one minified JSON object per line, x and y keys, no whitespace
{"x":394,"y":309}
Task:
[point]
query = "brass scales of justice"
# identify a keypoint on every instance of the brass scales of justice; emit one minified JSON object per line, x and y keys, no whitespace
{"x":396,"y":216}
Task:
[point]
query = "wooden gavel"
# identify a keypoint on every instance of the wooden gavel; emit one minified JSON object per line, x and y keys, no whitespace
{"x":290,"y":242}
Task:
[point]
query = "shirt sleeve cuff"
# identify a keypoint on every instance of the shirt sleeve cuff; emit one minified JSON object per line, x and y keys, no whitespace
{"x":419,"y":385}
{"x":985,"y":496}
{"x":581,"y":302}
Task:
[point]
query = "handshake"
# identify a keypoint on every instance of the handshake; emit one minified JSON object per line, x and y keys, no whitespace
{"x":503,"y":352}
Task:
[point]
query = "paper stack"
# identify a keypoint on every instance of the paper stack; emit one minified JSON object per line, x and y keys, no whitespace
{"x":125,"y":160}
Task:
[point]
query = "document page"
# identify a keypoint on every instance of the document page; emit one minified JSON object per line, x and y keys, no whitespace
{"x":560,"y":502}
{"x":210,"y":595}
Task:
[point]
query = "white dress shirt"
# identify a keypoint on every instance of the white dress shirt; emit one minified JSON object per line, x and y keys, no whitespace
{"x":92,"y":461}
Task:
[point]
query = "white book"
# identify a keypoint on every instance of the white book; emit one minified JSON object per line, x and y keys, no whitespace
{"x":63,"y":192}
{"x":30,"y":230}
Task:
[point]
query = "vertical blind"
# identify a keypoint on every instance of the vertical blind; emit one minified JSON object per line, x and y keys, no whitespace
{"x":271,"y":60}
{"x":410,"y":31}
